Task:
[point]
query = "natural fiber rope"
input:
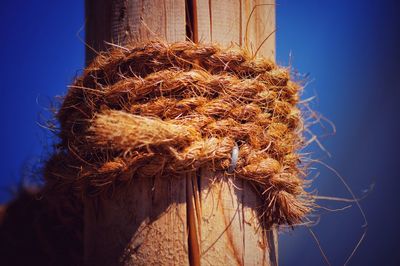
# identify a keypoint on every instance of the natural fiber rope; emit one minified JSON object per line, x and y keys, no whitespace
{"x":163,"y":109}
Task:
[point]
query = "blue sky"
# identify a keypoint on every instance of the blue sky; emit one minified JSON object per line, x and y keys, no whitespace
{"x":348,"y":49}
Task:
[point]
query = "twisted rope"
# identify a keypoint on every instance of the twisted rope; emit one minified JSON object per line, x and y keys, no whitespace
{"x":163,"y":109}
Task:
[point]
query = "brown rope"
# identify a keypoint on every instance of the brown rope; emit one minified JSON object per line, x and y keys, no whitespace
{"x":165,"y":108}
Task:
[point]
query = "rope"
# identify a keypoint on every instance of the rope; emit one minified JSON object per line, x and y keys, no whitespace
{"x":164,"y":109}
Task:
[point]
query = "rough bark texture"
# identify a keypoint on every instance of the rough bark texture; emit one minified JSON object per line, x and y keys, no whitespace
{"x":194,"y":220}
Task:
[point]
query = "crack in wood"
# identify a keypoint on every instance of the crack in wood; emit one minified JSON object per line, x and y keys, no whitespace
{"x":191,"y":20}
{"x":193,"y":219}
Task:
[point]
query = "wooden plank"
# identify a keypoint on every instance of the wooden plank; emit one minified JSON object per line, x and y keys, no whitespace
{"x":248,"y":23}
{"x":97,"y":26}
{"x":188,"y":220}
{"x":148,"y":19}
{"x":120,"y":21}
{"x":231,"y":233}
{"x":218,"y":21}
{"x":258,"y":26}
{"x":145,"y":222}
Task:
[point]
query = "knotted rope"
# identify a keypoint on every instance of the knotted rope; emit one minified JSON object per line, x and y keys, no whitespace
{"x":163,"y":109}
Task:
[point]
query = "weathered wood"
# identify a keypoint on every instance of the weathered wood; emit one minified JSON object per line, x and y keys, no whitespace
{"x":145,"y":224}
{"x":231,"y":233}
{"x":98,"y":26}
{"x":119,"y":21}
{"x":258,"y":27}
{"x":248,"y":23}
{"x":203,"y":219}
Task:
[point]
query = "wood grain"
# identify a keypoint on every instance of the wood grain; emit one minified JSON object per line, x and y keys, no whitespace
{"x":120,"y":21}
{"x":258,"y":17}
{"x":194,"y":219}
{"x":248,"y":23}
{"x":231,"y":233}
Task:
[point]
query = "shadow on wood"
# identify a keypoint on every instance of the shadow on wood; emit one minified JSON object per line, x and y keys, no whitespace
{"x":229,"y":231}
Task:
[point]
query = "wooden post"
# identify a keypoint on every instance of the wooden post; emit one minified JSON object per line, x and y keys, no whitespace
{"x":190,"y":220}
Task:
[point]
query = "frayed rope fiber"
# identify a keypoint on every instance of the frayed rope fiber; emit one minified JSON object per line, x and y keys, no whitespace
{"x":163,"y":109}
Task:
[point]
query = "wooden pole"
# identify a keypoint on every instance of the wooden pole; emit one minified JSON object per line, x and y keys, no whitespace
{"x":190,"y":220}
